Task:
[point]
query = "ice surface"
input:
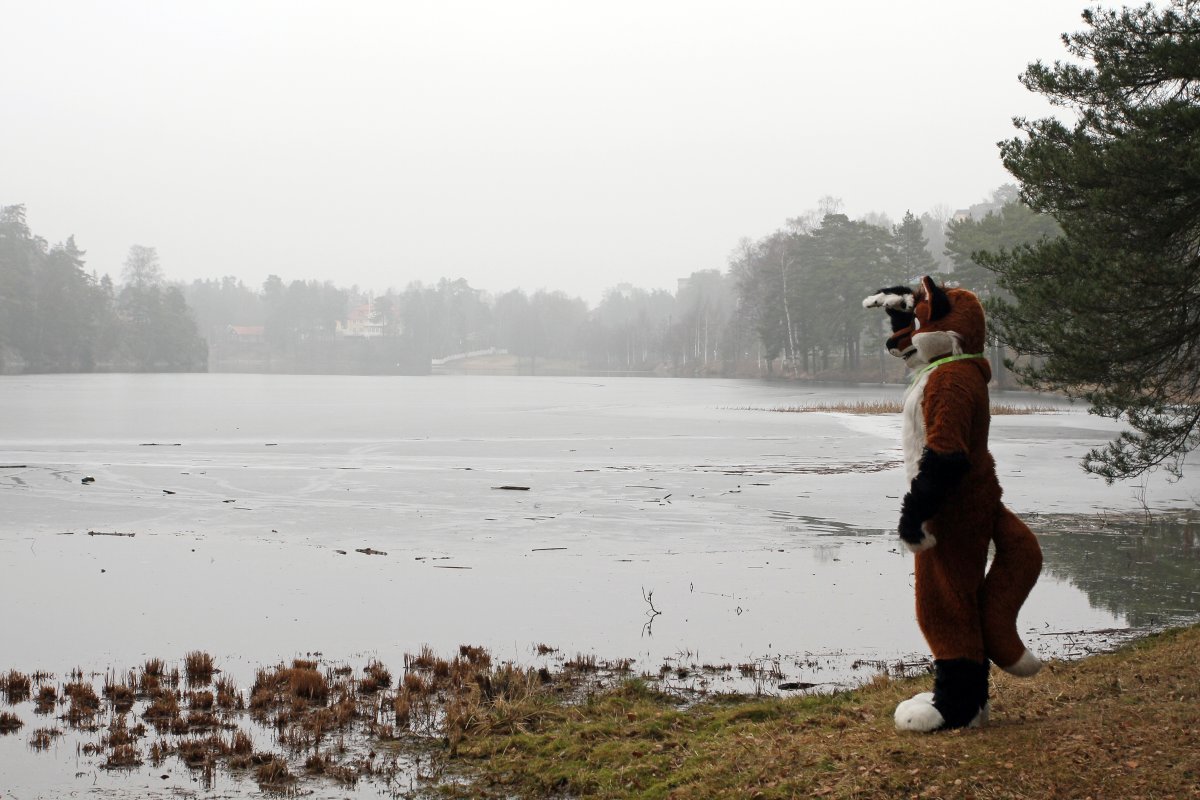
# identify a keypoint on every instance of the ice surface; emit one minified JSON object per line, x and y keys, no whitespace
{"x":762,"y":535}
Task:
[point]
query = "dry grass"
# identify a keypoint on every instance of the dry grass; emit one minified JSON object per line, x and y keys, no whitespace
{"x":16,"y":686}
{"x":1005,"y":409}
{"x":870,"y":407}
{"x":42,"y":738}
{"x":47,"y":696}
{"x":119,"y":694}
{"x":121,"y":743}
{"x":288,"y":691}
{"x":241,"y":744}
{"x":1122,"y":725}
{"x":228,"y":697}
{"x":274,"y":773}
{"x":154,"y":676}
{"x":163,"y":708}
{"x":85,"y":704}
{"x":200,"y":701}
{"x":375,"y":678}
{"x":9,"y":722}
{"x":198,"y":667}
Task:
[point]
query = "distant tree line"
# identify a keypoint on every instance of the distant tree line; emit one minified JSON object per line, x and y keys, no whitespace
{"x":787,"y":306}
{"x":631,"y":330}
{"x":57,"y":317}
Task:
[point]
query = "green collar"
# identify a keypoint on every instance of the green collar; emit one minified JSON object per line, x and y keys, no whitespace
{"x":946,"y":360}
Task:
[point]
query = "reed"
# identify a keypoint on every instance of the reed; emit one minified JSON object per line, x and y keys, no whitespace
{"x":198,"y":667}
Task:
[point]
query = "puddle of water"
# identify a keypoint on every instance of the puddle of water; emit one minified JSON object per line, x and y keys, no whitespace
{"x":1143,"y":571}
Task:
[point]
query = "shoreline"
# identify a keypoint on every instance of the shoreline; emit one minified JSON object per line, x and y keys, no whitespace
{"x":327,"y":728}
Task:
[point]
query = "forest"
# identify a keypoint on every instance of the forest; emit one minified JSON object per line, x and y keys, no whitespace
{"x":786,"y":306}
{"x":55,"y":316}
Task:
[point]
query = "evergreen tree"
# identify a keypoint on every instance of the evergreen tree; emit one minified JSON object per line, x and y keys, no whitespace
{"x":1014,"y":225}
{"x":1112,"y":307}
{"x":20,"y":256}
{"x":159,"y":332}
{"x":913,"y":258}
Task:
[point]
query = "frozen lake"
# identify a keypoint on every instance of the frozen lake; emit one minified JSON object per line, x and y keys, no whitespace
{"x":764,"y":537}
{"x":759,"y":533}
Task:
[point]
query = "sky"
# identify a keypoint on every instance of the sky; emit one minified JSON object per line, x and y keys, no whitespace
{"x":563,"y":145}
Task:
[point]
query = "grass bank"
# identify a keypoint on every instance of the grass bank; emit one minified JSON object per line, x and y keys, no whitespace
{"x":1120,"y":725}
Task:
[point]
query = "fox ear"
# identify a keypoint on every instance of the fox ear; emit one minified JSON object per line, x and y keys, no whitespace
{"x":939,"y":303}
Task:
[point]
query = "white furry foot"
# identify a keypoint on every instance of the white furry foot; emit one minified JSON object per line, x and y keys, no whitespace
{"x":1027,"y":666}
{"x":928,"y":540}
{"x":918,"y":714}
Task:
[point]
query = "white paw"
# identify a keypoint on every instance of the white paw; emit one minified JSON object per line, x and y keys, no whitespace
{"x":927,"y":541}
{"x":1027,"y":666}
{"x":918,"y":714}
{"x":982,"y":717}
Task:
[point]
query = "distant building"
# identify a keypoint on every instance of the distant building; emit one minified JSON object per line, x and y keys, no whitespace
{"x":249,"y":334}
{"x":361,"y":322}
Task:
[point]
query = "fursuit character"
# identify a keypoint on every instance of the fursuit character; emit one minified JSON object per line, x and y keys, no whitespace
{"x":952,"y":510}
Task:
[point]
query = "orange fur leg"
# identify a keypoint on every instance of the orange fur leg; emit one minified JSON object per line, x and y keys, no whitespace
{"x":1011,"y":577}
{"x":949,"y":577}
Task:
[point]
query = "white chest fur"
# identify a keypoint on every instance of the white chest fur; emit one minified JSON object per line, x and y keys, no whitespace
{"x":913,"y":426}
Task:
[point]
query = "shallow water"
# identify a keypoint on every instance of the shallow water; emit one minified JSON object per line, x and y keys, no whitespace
{"x":763,"y":537}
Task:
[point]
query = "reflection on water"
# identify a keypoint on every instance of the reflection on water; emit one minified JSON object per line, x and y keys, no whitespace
{"x":1145,"y":570}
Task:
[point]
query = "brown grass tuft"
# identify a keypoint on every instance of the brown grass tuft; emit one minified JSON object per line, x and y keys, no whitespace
{"x":42,"y":738}
{"x":163,"y":708}
{"x":16,"y":686}
{"x":476,"y":656}
{"x":228,"y":697}
{"x":121,"y":743}
{"x":375,"y":678}
{"x":198,"y":666}
{"x":241,"y":744}
{"x":583,"y":663}
{"x":84,"y":702}
{"x":287,"y":686}
{"x":414,"y":683}
{"x":402,"y":706}
{"x":422,"y":660}
{"x":202,"y":753}
{"x":274,"y":773}
{"x":47,"y":696}
{"x":120,"y":695}
{"x":9,"y":722}
{"x":308,"y":684}
{"x":200,"y":701}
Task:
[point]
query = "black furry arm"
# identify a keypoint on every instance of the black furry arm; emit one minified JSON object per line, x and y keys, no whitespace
{"x":937,"y":476}
{"x":900,"y":318}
